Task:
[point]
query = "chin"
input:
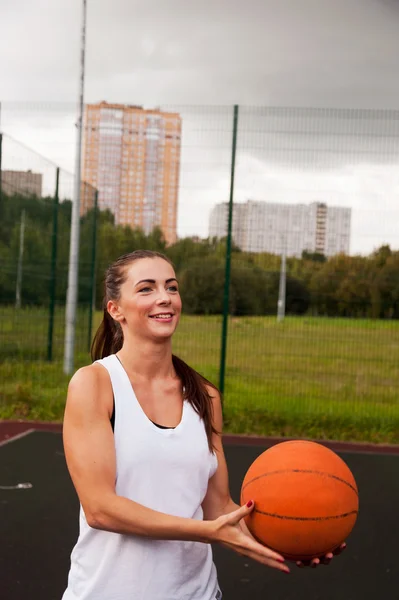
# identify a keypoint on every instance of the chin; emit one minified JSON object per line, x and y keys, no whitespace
{"x":161,"y":337}
{"x":165,"y":334}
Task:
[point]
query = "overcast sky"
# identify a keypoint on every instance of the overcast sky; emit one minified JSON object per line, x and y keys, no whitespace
{"x":302,"y":53}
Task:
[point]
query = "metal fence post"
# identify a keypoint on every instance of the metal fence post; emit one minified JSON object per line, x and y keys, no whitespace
{"x":226,"y":295}
{"x":20,"y":260}
{"x":73,"y":266}
{"x":1,"y":160}
{"x":92,"y":302}
{"x":53,"y":268}
{"x":282,"y":289}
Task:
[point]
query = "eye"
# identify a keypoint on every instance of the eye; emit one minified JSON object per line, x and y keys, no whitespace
{"x":145,"y":289}
{"x":173,"y":288}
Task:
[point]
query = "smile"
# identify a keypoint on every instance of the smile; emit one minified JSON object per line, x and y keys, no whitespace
{"x":162,"y":316}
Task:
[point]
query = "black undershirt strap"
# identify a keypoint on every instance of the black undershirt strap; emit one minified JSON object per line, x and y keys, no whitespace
{"x":113,"y":415}
{"x":162,"y":426}
{"x":113,"y":420}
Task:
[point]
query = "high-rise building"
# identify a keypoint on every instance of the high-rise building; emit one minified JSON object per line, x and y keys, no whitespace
{"x":26,"y":183}
{"x":132,"y":157}
{"x":289,"y":228}
{"x":219,"y":217}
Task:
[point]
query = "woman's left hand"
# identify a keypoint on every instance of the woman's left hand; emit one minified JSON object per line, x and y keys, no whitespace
{"x":323,"y":560}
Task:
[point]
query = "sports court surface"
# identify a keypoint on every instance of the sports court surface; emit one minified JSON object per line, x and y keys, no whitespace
{"x":38,"y":525}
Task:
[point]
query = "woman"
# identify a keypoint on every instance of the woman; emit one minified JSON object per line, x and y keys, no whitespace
{"x":142,"y":438}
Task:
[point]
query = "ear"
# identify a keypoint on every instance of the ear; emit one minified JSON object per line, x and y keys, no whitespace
{"x":114,"y":311}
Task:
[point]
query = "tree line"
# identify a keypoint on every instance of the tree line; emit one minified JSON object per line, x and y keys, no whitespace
{"x":341,"y":286}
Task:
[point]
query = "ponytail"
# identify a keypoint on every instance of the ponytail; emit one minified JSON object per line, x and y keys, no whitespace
{"x":197,"y":394}
{"x":108,"y":339}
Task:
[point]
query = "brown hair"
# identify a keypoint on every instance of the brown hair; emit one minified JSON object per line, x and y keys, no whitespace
{"x":109,"y":340}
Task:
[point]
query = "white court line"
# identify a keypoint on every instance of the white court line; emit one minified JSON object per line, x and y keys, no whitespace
{"x":16,"y":437}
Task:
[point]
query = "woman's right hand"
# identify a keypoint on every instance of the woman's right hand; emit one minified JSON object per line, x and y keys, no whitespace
{"x":229,"y":533}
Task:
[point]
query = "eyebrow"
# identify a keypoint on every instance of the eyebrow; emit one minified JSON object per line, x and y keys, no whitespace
{"x":153,"y":281}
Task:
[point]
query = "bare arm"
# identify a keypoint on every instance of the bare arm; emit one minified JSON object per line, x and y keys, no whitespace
{"x":225,"y":513}
{"x":90,"y":455}
{"x":218,"y":500}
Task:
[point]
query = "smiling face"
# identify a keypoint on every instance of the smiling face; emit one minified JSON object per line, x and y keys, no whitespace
{"x":149,"y":305}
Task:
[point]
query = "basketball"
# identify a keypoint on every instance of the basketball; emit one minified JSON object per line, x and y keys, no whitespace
{"x":306,"y":499}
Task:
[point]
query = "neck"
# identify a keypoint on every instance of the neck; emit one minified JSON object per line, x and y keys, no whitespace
{"x":147,"y":359}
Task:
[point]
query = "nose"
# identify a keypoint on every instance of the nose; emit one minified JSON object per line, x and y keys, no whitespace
{"x":163,"y":297}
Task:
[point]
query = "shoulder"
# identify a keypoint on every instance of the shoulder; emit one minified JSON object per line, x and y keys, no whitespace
{"x":90,"y":388}
{"x":213,"y":392}
{"x":91,"y":375}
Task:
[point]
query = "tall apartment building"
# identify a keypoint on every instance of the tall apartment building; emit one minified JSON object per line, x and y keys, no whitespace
{"x":132,"y":157}
{"x":289,"y":228}
{"x":26,"y":183}
{"x":219,"y":217}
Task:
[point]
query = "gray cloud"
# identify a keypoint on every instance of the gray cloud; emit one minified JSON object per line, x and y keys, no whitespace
{"x":303,"y":53}
{"x":308,"y":52}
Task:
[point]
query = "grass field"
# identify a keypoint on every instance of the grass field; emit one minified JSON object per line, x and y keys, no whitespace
{"x":311,"y":377}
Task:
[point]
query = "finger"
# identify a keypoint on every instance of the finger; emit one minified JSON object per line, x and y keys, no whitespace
{"x":314,"y":562}
{"x":267,"y":561}
{"x":244,"y":528}
{"x":303,"y":563}
{"x":325,"y":560}
{"x":261,"y":555}
{"x":236,"y":516}
{"x":340,"y":549}
{"x":260,"y":550}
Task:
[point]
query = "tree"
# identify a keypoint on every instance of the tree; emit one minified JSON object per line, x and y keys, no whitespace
{"x":252,"y":292}
{"x":387,"y":288}
{"x":297,"y":300}
{"x":314,"y":256}
{"x":202,"y":284}
{"x":187,"y":248}
{"x":354,"y":290}
{"x":352,"y":286}
{"x":381,"y":255}
{"x":324,"y":285}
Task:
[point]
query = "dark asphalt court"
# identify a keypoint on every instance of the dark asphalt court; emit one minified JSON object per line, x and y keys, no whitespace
{"x":38,"y":528}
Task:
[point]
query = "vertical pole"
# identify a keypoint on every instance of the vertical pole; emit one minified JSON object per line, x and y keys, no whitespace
{"x":20,"y":257}
{"x":281,"y":291}
{"x":53,"y":268}
{"x":92,"y":302}
{"x":73,"y":269}
{"x":1,"y":160}
{"x":228,"y":256}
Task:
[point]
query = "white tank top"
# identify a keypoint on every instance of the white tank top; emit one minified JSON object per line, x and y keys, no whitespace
{"x":164,"y":469}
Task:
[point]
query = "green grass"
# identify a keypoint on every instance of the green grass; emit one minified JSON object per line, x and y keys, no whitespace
{"x":305,"y":377}
{"x":24,"y":333}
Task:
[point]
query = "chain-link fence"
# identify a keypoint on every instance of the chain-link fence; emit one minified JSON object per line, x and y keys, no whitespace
{"x":35,"y":213}
{"x":295,"y":314}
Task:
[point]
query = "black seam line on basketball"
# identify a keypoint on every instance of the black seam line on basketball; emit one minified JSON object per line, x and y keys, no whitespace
{"x":328,"y":518}
{"x":302,"y":471}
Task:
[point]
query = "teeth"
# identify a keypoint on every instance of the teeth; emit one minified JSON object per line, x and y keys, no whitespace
{"x":164,"y":316}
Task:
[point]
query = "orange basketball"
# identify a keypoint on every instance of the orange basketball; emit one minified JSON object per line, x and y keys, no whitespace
{"x":306,"y":499}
